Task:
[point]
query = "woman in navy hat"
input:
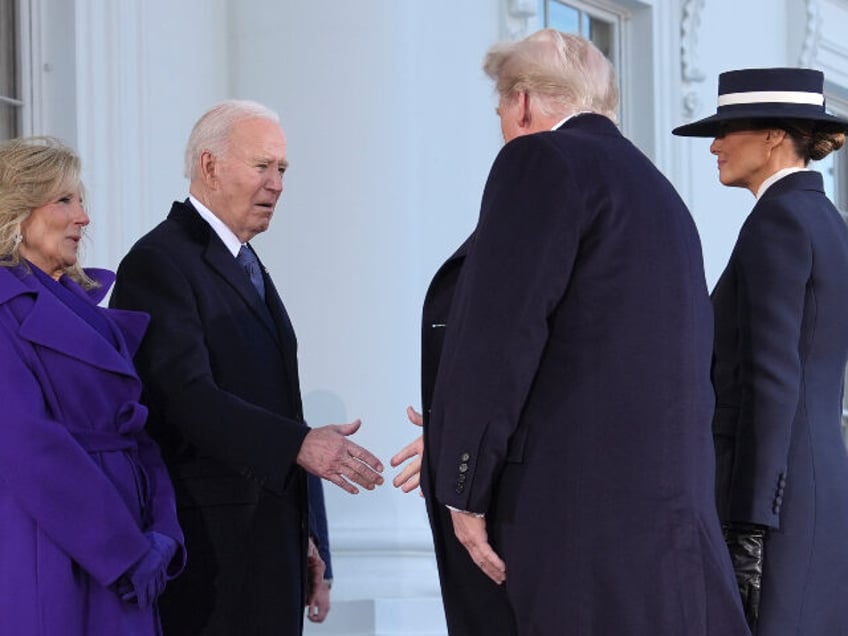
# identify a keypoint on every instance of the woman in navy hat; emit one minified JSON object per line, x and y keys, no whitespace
{"x":781,"y":343}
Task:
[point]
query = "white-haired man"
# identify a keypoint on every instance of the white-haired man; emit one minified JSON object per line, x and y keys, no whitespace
{"x":219,"y":365}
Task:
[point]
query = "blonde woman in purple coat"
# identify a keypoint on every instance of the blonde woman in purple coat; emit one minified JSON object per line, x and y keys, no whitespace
{"x":88,"y":528}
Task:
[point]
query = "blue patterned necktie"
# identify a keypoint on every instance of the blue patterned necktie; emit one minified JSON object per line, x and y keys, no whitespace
{"x":250,"y":264}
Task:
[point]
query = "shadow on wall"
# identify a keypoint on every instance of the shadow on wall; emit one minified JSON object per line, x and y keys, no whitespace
{"x":324,"y":407}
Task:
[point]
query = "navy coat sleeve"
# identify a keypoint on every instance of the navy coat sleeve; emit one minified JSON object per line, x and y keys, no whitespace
{"x":516,"y":271}
{"x":773,"y":261}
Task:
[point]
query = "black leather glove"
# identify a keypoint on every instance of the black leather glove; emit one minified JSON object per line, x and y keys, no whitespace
{"x":746,"y":542}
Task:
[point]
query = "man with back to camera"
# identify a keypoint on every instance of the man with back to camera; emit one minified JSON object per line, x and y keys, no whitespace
{"x":567,"y":402}
{"x":219,"y":364}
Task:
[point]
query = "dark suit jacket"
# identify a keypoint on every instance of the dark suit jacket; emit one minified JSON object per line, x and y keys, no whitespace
{"x":781,"y":307}
{"x":220,"y":372}
{"x":573,"y":398}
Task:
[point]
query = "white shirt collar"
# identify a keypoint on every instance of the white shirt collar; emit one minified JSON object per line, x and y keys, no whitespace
{"x":777,"y":176}
{"x":224,"y":233}
{"x":574,"y":114}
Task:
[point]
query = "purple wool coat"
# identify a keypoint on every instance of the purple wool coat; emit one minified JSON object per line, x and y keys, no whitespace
{"x":80,"y":482}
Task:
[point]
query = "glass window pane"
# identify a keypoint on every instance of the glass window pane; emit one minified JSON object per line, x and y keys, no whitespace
{"x":563,"y":18}
{"x":8,"y":49}
{"x":9,"y":115}
{"x":601,"y":35}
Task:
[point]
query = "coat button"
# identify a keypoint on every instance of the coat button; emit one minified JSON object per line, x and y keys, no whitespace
{"x":463,"y":467}
{"x":465,"y":457}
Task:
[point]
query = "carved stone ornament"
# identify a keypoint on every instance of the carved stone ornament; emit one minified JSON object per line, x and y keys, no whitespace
{"x":812,"y":34}
{"x":689,"y":26}
{"x":689,"y":70}
{"x":519,"y":18}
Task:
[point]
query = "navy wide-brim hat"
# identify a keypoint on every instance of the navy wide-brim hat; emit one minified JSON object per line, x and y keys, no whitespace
{"x":767,"y":93}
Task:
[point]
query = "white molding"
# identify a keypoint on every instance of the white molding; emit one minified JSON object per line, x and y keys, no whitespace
{"x":519,"y":18}
{"x":689,"y":27}
{"x":823,"y":45}
{"x":30,"y":30}
{"x":690,"y":71}
{"x":381,"y":540}
{"x":383,"y":562}
{"x":111,"y":124}
{"x":812,"y":23}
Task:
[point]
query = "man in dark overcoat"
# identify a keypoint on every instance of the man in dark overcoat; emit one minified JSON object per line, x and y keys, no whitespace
{"x":219,"y":364}
{"x":569,"y":432}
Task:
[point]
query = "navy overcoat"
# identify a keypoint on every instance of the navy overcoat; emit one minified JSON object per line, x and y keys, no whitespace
{"x":221,"y":381}
{"x":573,"y":399}
{"x":781,"y":308}
{"x":473,"y":603}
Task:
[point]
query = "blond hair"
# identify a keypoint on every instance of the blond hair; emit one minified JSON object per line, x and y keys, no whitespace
{"x":34,"y":171}
{"x":565,"y":73}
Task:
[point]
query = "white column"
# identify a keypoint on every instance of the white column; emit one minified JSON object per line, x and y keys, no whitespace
{"x":111,"y":124}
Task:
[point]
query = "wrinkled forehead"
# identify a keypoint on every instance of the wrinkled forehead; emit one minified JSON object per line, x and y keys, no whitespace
{"x":258,"y":137}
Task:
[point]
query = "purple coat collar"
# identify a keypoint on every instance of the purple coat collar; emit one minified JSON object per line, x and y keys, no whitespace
{"x":45,"y":321}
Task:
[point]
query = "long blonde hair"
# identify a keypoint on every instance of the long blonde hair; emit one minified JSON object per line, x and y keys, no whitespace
{"x":33,"y":171}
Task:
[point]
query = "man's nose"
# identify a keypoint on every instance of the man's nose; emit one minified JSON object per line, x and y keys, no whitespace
{"x":275,"y":182}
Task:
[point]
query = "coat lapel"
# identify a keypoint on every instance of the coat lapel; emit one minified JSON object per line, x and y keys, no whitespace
{"x":222,"y":261}
{"x":273,"y":314}
{"x":278,"y":309}
{"x":450,"y":263}
{"x":49,"y":323}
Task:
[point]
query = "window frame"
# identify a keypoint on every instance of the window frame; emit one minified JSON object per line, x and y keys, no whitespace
{"x":27,"y":14}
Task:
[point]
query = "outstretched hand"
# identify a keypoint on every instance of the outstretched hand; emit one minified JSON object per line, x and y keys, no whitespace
{"x":328,"y":453}
{"x":410,"y":477}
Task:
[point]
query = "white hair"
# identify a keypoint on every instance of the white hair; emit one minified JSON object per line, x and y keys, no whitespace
{"x":212,"y":131}
{"x":563,"y":72}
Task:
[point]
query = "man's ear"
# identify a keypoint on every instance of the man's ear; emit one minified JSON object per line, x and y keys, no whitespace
{"x":208,"y":167}
{"x":523,"y":114}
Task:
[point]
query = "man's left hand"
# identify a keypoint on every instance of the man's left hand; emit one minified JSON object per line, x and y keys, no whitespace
{"x":471,"y":532}
{"x":318,"y":592}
